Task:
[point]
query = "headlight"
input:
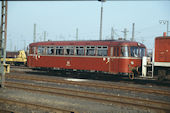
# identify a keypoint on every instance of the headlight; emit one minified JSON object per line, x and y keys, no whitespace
{"x":132,"y":62}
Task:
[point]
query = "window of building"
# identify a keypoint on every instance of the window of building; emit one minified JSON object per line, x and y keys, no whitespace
{"x":90,"y":50}
{"x":102,"y":50}
{"x":79,"y":50}
{"x":59,"y":50}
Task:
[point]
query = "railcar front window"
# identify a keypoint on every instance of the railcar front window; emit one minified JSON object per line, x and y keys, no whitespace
{"x":137,"y":52}
{"x":134,"y":51}
{"x":142,"y":52}
{"x":124,"y":51}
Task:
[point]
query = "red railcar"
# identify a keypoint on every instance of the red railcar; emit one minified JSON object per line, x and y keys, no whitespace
{"x":112,"y":56}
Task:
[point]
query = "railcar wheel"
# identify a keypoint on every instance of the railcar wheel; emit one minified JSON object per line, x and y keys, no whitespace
{"x":16,"y":64}
{"x":161,"y":75}
{"x":131,"y":76}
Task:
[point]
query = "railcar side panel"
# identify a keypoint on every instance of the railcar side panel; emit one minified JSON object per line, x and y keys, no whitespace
{"x":106,"y":64}
{"x":115,"y":65}
{"x":124,"y":65}
{"x":81,"y":63}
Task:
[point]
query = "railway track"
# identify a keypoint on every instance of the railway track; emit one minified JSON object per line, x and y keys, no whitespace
{"x":103,"y":98}
{"x":5,"y":111}
{"x":90,"y":84}
{"x":32,"y":106}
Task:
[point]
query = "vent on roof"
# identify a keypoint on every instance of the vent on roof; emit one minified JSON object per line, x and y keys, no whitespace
{"x":120,"y":38}
{"x":164,"y":33}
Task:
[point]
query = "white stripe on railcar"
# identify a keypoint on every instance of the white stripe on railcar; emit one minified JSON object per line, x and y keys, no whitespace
{"x":89,"y":56}
{"x":165,"y":64}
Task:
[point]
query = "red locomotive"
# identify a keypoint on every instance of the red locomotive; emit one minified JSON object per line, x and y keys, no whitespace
{"x":160,"y":64}
{"x":162,"y":56}
{"x":112,"y":56}
{"x":162,"y":51}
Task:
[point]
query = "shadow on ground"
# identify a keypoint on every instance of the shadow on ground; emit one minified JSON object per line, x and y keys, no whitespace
{"x":98,"y":76}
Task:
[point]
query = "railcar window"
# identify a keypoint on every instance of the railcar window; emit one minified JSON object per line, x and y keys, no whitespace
{"x":34,"y":50}
{"x":31,"y":50}
{"x":124,"y":51}
{"x":134,"y":51}
{"x":40,"y":50}
{"x":50,"y":50}
{"x":102,"y":51}
{"x":90,"y":51}
{"x":44,"y":50}
{"x":111,"y":51}
{"x":117,"y":51}
{"x":141,"y":52}
{"x":114,"y":51}
{"x":69,"y":50}
{"x":59,"y":50}
{"x":80,"y":50}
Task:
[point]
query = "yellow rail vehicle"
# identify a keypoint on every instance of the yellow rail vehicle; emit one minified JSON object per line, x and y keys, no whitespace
{"x":19,"y":59}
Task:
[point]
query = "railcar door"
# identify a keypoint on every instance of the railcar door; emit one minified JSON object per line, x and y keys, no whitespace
{"x":111,"y":60}
{"x":34,"y":59}
{"x":32,"y":54}
{"x":30,"y":57}
{"x":114,"y":64}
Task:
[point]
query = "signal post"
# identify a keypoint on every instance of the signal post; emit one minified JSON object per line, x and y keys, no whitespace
{"x":3,"y":38}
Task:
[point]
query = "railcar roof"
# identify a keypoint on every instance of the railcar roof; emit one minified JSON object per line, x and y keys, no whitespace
{"x":89,"y":42}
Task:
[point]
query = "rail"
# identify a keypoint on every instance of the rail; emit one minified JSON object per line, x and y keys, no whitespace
{"x":98,"y":85}
{"x":32,"y":105}
{"x":103,"y":98}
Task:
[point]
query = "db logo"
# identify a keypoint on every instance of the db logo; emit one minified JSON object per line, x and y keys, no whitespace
{"x":68,"y":63}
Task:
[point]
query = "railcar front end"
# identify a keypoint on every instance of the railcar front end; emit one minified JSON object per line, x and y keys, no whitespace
{"x":127,"y":58}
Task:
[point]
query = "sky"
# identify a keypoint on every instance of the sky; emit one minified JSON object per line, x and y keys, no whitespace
{"x":60,"y":19}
